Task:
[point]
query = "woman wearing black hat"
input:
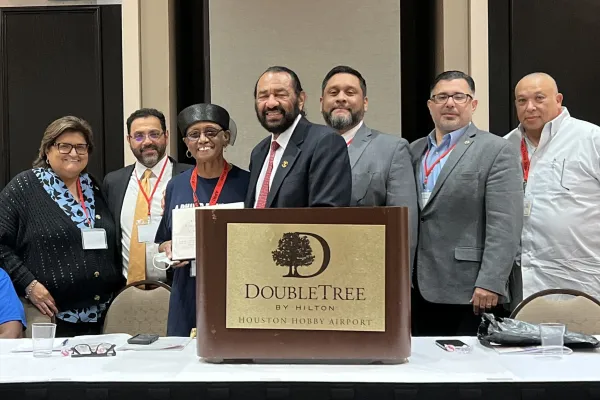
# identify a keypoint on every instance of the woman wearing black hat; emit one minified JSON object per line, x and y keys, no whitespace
{"x":207,"y":131}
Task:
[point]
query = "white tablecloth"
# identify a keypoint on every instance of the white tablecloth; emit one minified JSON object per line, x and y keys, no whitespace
{"x":428,"y":363}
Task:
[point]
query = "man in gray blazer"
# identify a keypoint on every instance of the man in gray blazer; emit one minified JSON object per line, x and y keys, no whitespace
{"x":470,"y":195}
{"x":382,"y":172}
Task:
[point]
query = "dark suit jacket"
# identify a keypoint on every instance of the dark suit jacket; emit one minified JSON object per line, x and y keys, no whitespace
{"x":314,"y":170}
{"x":115,"y":186}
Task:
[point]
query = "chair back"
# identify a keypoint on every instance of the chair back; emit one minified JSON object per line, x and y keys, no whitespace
{"x":32,"y":316}
{"x":136,"y":310}
{"x":578,"y":311}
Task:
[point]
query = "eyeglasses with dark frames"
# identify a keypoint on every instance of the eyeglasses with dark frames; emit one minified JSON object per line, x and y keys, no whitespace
{"x":100,"y":350}
{"x":210,"y":133}
{"x":140,"y":137}
{"x":459,"y":98}
{"x":66,"y":148}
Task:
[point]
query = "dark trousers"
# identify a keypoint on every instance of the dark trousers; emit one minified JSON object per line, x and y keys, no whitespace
{"x":434,"y":319}
{"x":69,"y":329}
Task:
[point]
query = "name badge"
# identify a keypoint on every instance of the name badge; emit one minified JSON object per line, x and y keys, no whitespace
{"x":425,"y":198}
{"x":193,"y":268}
{"x":527,"y":204}
{"x":147,"y":231}
{"x":94,"y":239}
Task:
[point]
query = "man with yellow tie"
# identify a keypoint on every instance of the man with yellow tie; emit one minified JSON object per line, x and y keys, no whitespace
{"x":135,"y":192}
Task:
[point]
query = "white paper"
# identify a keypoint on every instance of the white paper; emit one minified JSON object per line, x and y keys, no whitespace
{"x":147,"y":232}
{"x":527,"y":208}
{"x":94,"y":239}
{"x":183,"y":245}
{"x":27,"y":347}
{"x":527,"y":350}
{"x":92,"y":340}
{"x":425,"y":198}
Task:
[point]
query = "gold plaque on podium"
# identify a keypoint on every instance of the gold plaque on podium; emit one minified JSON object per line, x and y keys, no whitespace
{"x":303,"y":284}
{"x":306,"y":277}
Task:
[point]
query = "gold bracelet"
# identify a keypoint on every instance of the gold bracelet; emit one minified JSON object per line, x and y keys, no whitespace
{"x":28,"y":292}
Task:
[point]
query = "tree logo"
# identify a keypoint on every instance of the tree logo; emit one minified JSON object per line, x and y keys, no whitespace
{"x":294,"y":251}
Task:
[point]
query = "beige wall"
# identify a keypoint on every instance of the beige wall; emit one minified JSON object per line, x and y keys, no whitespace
{"x":149,"y":62}
{"x":310,"y":37}
{"x":462,"y":44}
{"x":248,"y":36}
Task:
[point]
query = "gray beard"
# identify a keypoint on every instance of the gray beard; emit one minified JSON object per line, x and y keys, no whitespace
{"x":340,"y":122}
{"x":150,"y":161}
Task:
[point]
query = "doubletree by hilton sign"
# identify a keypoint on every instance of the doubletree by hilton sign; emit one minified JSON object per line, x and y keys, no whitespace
{"x":306,"y":277}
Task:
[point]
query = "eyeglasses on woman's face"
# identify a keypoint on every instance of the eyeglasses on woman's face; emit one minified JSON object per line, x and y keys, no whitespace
{"x":66,"y":148}
{"x":210,"y":133}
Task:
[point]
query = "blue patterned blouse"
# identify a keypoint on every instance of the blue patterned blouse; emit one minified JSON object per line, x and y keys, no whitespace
{"x":59,"y":192}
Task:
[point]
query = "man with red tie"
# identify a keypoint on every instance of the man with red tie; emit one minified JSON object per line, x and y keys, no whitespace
{"x":300,"y":164}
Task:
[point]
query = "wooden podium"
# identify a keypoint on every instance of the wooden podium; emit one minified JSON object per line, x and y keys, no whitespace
{"x":285,"y":285}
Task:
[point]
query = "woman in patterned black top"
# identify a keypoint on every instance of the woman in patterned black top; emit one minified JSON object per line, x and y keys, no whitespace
{"x":57,"y":236}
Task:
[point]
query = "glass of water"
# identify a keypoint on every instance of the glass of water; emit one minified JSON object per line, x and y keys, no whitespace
{"x":552,"y":335}
{"x":43,"y":339}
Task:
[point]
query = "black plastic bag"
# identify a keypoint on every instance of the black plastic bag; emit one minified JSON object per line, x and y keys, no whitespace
{"x":511,"y":332}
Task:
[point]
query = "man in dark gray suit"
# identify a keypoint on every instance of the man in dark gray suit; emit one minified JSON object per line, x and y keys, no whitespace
{"x":382,"y":172}
{"x":300,"y":164}
{"x":148,"y":137}
{"x":470,"y":191}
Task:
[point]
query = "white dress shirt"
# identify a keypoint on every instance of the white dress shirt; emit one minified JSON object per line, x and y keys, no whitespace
{"x":349,"y":135}
{"x":128,"y":211}
{"x":561,"y":235}
{"x":283,"y":140}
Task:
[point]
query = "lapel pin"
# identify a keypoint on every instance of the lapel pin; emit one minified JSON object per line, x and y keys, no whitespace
{"x":98,"y":217}
{"x":467,"y":142}
{"x":284,"y":164}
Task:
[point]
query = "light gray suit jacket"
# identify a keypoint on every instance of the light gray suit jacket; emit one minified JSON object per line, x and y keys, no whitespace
{"x":382,"y":175}
{"x":470,"y":229}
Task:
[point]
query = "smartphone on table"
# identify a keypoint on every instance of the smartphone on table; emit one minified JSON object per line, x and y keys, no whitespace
{"x":142,"y":339}
{"x":453,"y":345}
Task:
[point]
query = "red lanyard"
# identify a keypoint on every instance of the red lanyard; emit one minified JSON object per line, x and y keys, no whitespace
{"x":349,"y":141}
{"x":216,"y":191}
{"x":525,"y":159}
{"x":149,"y":198}
{"x":430,"y":169}
{"x":82,"y":202}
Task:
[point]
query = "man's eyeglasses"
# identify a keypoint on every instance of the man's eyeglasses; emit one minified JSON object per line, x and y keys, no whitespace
{"x":193,"y":136}
{"x":140,"y":137}
{"x":100,"y":350}
{"x":65,"y":148}
{"x":459,"y":98}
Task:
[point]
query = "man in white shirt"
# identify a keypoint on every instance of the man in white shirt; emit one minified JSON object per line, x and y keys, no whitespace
{"x":561,"y":166}
{"x":135,"y":192}
{"x":382,"y":171}
{"x":300,"y":164}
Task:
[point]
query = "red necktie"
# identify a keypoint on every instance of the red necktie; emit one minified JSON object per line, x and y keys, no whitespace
{"x":264,"y":189}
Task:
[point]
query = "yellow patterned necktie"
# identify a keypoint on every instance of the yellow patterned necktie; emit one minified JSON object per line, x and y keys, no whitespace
{"x":137,"y":251}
